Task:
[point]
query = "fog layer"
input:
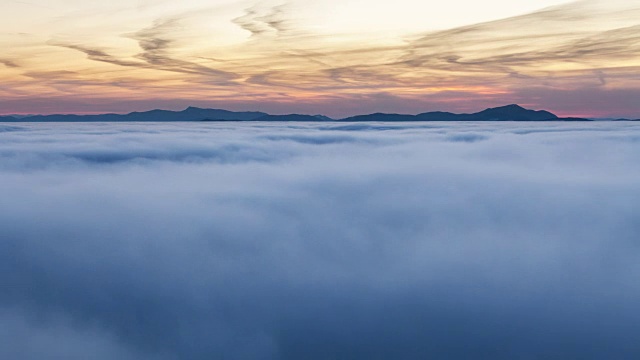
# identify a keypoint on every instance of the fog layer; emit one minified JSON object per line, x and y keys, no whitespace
{"x":320,"y":241}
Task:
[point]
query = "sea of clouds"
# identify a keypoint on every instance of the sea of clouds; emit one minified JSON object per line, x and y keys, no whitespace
{"x":320,"y":241}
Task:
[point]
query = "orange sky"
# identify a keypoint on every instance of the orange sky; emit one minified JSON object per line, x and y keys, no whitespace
{"x":338,"y":58}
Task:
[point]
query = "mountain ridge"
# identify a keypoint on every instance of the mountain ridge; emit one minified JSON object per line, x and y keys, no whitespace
{"x":511,"y":112}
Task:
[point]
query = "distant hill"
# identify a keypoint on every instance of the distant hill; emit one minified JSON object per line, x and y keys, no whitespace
{"x":513,"y":113}
{"x":382,"y":117}
{"x":16,"y":116}
{"x":292,"y":117}
{"x":189,"y":114}
{"x":504,"y":113}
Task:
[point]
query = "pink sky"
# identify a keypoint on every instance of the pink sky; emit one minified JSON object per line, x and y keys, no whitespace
{"x":578,"y":58}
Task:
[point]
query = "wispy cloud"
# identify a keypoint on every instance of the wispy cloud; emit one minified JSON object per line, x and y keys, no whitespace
{"x":562,"y":35}
{"x":156,"y":44}
{"x":155,"y":55}
{"x":260,"y":20}
{"x":583,"y":44}
{"x":9,"y":63}
{"x":98,"y":54}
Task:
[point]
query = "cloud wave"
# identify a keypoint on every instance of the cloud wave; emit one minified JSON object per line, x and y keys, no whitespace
{"x":316,"y":241}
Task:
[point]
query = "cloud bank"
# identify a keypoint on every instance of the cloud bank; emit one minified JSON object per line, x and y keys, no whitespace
{"x":320,"y":241}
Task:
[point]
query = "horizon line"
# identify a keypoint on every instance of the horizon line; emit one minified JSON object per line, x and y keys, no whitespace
{"x":20,"y":116}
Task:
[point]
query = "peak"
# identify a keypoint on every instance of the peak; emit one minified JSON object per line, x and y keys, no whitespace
{"x":509,"y":107}
{"x":515,"y":112}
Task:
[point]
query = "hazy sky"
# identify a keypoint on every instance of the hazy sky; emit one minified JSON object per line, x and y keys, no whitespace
{"x":337,"y":57}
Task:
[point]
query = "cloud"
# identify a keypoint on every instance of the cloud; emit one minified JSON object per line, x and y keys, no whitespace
{"x":260,"y":20}
{"x":567,"y":47}
{"x":205,"y":54}
{"x":9,"y":63}
{"x":497,"y":56}
{"x":155,"y":43}
{"x":315,"y":241}
{"x":27,"y":337}
{"x":532,"y":45}
{"x":97,"y":54}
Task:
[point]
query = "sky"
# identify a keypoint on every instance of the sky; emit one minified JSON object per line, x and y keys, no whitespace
{"x":289,"y":241}
{"x":338,"y":58}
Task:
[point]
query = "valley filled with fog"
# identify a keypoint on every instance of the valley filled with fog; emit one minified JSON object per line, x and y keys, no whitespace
{"x":324,"y":240}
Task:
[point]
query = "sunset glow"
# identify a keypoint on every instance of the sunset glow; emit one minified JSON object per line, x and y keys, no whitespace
{"x":333,"y":57}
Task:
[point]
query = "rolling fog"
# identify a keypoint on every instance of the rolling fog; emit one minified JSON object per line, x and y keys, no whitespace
{"x":320,"y":241}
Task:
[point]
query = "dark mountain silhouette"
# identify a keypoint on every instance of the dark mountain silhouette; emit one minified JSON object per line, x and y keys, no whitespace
{"x":289,"y":117}
{"x":508,"y":113}
{"x":438,"y":116}
{"x":572,"y":119}
{"x":382,"y":117}
{"x":194,"y":114}
{"x":189,"y":114}
{"x":504,"y":113}
{"x":323,"y":117}
{"x":513,"y":113}
{"x":292,"y":117}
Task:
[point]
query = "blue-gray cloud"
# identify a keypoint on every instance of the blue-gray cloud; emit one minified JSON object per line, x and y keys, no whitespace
{"x":316,"y":241}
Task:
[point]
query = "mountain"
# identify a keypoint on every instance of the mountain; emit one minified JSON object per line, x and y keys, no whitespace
{"x":504,"y":113}
{"x":572,"y":119}
{"x":195,"y":114}
{"x":291,"y":117}
{"x":17,"y":116}
{"x":438,"y":116}
{"x":382,"y":117}
{"x":513,"y":113}
{"x":323,"y":118}
{"x":189,"y":114}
